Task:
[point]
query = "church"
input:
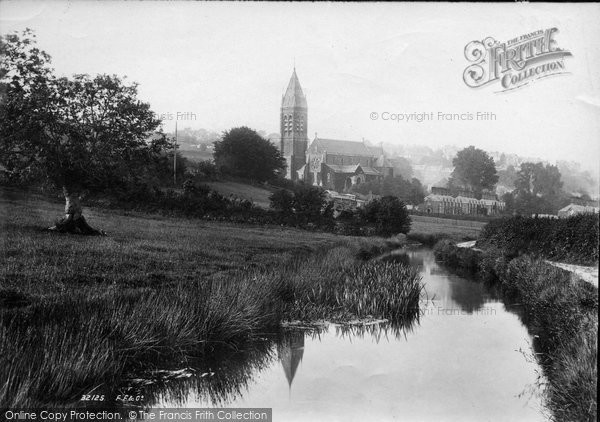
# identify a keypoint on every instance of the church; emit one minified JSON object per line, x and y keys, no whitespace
{"x":330,"y":163}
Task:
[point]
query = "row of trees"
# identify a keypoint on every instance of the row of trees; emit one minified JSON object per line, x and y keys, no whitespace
{"x":305,"y":204}
{"x":408,"y":191}
{"x":538,"y":188}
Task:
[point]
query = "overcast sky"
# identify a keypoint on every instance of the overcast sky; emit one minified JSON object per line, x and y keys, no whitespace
{"x":229,"y":64}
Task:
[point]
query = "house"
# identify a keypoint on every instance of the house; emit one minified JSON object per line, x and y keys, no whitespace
{"x":575,"y":209}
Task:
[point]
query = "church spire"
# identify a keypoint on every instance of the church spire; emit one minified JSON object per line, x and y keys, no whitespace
{"x":294,"y":97}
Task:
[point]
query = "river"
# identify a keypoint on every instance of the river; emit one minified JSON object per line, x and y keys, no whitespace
{"x":467,"y":358}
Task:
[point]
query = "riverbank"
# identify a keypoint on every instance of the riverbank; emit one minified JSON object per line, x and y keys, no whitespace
{"x":561,"y":312}
{"x":80,"y":314}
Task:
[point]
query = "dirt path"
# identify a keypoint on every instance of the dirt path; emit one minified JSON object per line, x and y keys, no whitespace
{"x":589,"y":274}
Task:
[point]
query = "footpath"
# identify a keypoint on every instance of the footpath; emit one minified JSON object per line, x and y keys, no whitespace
{"x":589,"y":274}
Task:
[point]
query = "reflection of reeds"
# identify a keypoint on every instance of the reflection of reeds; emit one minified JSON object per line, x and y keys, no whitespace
{"x":378,"y":330}
{"x":220,"y":378}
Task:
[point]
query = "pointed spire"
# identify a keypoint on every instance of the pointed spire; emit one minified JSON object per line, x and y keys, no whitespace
{"x":294,"y":97}
{"x":290,"y":352}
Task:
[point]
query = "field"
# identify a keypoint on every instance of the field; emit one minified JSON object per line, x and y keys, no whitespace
{"x":429,"y":230}
{"x":77,"y":314}
{"x":254,"y":194}
{"x":140,"y":249}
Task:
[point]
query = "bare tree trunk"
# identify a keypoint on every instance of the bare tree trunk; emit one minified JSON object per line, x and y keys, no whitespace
{"x":74,"y":221}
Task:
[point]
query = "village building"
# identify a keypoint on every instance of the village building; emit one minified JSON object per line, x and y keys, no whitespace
{"x":334,"y":164}
{"x":441,"y":201}
{"x":575,"y":209}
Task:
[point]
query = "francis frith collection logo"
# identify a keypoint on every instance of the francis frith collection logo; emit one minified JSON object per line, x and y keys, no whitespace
{"x":516,"y":62}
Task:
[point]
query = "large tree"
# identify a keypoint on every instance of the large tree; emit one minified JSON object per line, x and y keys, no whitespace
{"x":474,"y":170}
{"x":244,"y":153}
{"x":538,"y":189}
{"x":81,"y":134}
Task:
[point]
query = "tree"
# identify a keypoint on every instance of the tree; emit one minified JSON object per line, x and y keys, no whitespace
{"x":507,"y":177}
{"x":388,"y":215}
{"x":538,"y":189}
{"x":303,"y":204}
{"x":474,"y":170}
{"x":81,"y":134}
{"x":402,"y":167}
{"x":244,"y":153}
{"x":408,"y":191}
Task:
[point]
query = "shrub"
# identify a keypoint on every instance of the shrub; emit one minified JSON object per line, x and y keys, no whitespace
{"x":305,"y":205}
{"x":573,"y":240}
{"x":387,"y":215}
{"x":453,"y":256}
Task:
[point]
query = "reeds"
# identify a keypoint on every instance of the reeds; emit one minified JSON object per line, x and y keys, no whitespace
{"x":62,"y":346}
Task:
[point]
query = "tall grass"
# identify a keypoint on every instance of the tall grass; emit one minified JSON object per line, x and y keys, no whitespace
{"x":80,"y":315}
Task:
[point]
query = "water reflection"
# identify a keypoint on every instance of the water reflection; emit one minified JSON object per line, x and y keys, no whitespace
{"x":218,"y":381}
{"x":462,"y":365}
{"x":290,"y":350}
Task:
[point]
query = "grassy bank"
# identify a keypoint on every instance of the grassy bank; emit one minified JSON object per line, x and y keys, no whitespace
{"x":562,"y":311}
{"x":78,"y":314}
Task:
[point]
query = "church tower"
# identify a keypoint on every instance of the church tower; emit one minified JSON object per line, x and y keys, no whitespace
{"x":294,"y":120}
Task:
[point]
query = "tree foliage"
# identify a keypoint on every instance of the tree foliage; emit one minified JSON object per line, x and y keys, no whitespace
{"x":80,"y":133}
{"x":474,"y":170}
{"x":303,"y":204}
{"x":408,"y":191}
{"x":244,"y":153}
{"x":538,"y":189}
{"x":388,"y":216}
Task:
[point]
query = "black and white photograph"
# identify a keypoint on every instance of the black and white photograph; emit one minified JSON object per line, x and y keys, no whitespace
{"x":299,"y":211}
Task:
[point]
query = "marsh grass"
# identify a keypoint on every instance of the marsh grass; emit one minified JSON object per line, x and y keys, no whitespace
{"x":80,"y":315}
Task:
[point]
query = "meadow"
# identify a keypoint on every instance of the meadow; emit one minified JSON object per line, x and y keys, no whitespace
{"x":430,"y":230}
{"x":80,"y":314}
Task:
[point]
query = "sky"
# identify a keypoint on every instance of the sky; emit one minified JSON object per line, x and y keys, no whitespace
{"x":228,"y":64}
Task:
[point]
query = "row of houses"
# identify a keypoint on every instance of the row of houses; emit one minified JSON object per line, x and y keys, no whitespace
{"x":441,"y":201}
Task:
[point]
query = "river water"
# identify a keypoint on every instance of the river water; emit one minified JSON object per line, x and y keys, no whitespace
{"x":467,"y":358}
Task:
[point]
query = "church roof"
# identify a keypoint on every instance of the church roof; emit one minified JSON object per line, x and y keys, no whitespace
{"x":294,"y":97}
{"x":353,"y":169}
{"x":335,"y":146}
{"x":371,"y":171}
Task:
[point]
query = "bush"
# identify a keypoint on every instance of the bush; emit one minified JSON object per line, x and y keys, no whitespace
{"x":388,"y":216}
{"x":207,"y":170}
{"x":453,"y":256}
{"x":303,"y":206}
{"x":573,"y":240}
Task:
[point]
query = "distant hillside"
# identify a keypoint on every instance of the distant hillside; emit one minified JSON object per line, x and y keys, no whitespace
{"x":432,"y":166}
